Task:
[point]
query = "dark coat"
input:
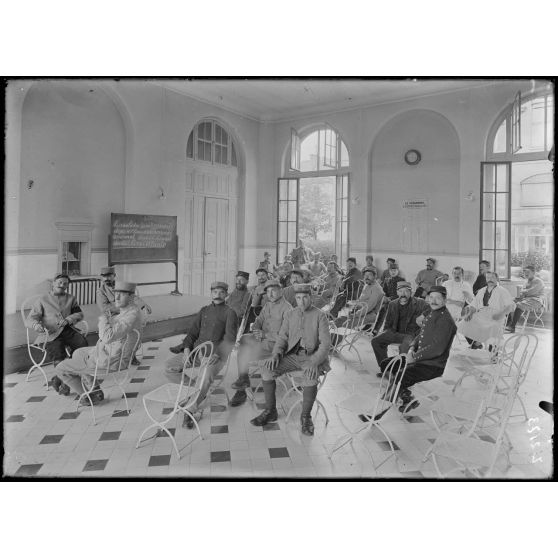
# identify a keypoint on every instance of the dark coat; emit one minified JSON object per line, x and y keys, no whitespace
{"x":416,"y":305}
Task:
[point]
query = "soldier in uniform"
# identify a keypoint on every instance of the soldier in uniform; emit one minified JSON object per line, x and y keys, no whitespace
{"x":260,"y":343}
{"x":215,"y":322}
{"x":240,"y":298}
{"x":289,"y":293}
{"x":115,"y":336}
{"x":302,"y":344}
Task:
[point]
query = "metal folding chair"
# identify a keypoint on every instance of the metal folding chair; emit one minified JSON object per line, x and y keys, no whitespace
{"x":378,"y":410}
{"x":181,"y":397}
{"x":351,"y":331}
{"x":538,"y":314}
{"x":37,"y":345}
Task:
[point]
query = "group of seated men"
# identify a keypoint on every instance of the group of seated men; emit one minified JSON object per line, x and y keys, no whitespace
{"x":55,"y":315}
{"x":280,"y":330}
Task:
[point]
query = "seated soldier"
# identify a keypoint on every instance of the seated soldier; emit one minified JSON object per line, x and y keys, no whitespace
{"x":530,"y":297}
{"x":217,"y":323}
{"x":283,"y":272}
{"x":372,"y":296}
{"x":385,"y":274}
{"x":54,"y":316}
{"x":258,"y":291}
{"x":490,"y":304}
{"x":332,"y":282}
{"x":115,"y":335}
{"x":349,"y":287}
{"x":240,"y":299}
{"x":105,"y":299}
{"x":429,"y":350}
{"x":391,"y":281}
{"x":426,"y":278}
{"x":316,"y":267}
{"x":370,"y":264}
{"x":400,"y":326}
{"x":480,"y":281}
{"x":302,"y":344}
{"x":459,"y":293}
{"x":289,"y":293}
{"x":259,"y":344}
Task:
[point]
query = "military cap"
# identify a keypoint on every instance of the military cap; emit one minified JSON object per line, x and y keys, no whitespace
{"x":62,"y":275}
{"x":125,"y":286}
{"x":219,"y":285}
{"x":302,"y":288}
{"x":108,"y":271}
{"x":431,"y":260}
{"x":272,"y":283}
{"x":266,"y":254}
{"x":438,"y":289}
{"x":393,"y":266}
{"x":244,"y":274}
{"x":261,"y":269}
{"x":403,"y":285}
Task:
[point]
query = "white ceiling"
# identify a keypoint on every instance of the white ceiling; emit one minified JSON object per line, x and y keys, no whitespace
{"x":274,"y":100}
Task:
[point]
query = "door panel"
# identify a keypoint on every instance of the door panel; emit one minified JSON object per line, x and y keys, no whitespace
{"x":215,"y":252}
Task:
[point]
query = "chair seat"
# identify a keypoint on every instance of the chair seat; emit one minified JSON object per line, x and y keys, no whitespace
{"x":358,"y":403}
{"x":344,"y":331}
{"x":167,"y":393}
{"x":458,"y":408}
{"x":467,"y":450}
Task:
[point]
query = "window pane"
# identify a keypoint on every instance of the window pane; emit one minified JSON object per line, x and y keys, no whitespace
{"x":502,"y":178}
{"x":283,"y":210}
{"x":282,"y":232}
{"x":345,"y":186}
{"x":233,"y":156}
{"x":344,"y":211}
{"x":500,"y":145}
{"x":292,"y":231}
{"x":309,"y":153}
{"x":283,"y":189}
{"x":281,"y":252}
{"x":502,"y":207}
{"x":344,"y":155}
{"x":292,"y":189}
{"x":488,"y":207}
{"x":224,"y":155}
{"x":532,"y":125}
{"x":190,"y":146}
{"x":488,"y":179}
{"x":502,"y":236}
{"x":292,"y":211}
{"x":217,"y":153}
{"x":488,"y":235}
{"x":488,"y":255}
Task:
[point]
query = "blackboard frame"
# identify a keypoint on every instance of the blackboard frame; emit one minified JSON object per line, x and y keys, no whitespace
{"x":174,"y":259}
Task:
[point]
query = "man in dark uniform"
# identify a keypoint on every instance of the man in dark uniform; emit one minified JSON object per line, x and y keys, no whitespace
{"x":216,"y":322}
{"x":289,"y":293}
{"x":240,"y":298}
{"x":260,"y":343}
{"x":480,"y":281}
{"x":349,"y":286}
{"x":430,"y":349}
{"x":400,"y":326}
{"x":302,"y":344}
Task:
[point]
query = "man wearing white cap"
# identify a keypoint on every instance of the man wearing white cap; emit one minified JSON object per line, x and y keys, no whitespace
{"x":115,"y":337}
{"x":216,"y":322}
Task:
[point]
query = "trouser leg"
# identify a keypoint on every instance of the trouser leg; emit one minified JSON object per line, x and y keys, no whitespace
{"x":418,"y":372}
{"x":515,"y":317}
{"x":73,"y":339}
{"x":308,"y":397}
{"x":269,"y":387}
{"x":381,"y":342}
{"x":55,"y":350}
{"x":340,"y":302}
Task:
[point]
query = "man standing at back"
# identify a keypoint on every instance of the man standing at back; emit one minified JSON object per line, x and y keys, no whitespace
{"x":426,"y":278}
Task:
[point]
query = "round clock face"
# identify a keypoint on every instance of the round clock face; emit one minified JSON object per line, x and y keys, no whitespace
{"x":412,"y":157}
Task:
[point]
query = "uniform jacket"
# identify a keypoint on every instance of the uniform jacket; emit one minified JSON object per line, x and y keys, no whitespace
{"x":390,"y":286}
{"x":311,"y":328}
{"x":432,"y":345}
{"x":50,"y":309}
{"x":239,"y":301}
{"x":426,"y":278}
{"x":479,"y":283}
{"x":105,"y":299}
{"x":217,"y":323}
{"x":416,"y":305}
{"x":271,"y":318}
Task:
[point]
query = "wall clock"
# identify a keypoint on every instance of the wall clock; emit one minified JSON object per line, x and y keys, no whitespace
{"x":412,"y":157}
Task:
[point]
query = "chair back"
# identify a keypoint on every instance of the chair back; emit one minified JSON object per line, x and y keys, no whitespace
{"x":354,"y":288}
{"x":129,"y":348}
{"x":26,"y":307}
{"x":335,"y":337}
{"x":391,"y":378}
{"x":379,"y":306}
{"x":515,"y":356}
{"x":355,"y":319}
{"x":193,"y":374}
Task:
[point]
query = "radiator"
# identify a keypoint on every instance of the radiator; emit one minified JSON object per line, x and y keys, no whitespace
{"x":85,"y":290}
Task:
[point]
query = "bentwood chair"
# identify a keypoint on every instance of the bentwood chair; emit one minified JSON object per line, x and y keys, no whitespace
{"x":119,"y":377}
{"x":351,"y":331}
{"x":36,"y":349}
{"x":378,"y":410}
{"x":538,"y":314}
{"x":181,"y":397}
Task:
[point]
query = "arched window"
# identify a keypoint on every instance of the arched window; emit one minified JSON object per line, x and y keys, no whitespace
{"x":517,"y":187}
{"x":313,"y":197}
{"x":210,"y":142}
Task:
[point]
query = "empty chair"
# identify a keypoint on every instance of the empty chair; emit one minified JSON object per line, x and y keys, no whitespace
{"x":39,"y":345}
{"x":351,"y":331}
{"x":182,"y":397}
{"x":376,"y":410}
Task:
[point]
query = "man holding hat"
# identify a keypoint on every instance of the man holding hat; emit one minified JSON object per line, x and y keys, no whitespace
{"x":54,"y":315}
{"x":216,"y":322}
{"x":302,"y":344}
{"x":426,"y":278}
{"x":240,"y":298}
{"x":260,"y":343}
{"x":115,"y":337}
{"x":400,"y":326}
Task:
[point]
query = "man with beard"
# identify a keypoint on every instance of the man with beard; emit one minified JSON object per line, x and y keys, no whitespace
{"x":426,"y":278}
{"x":54,"y":315}
{"x":400,"y":326}
{"x":302,"y":344}
{"x":240,"y":298}
{"x":217,"y":323}
{"x":259,"y":344}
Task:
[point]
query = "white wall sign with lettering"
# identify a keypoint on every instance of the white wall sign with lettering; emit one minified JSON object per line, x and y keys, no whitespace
{"x":414,"y":234}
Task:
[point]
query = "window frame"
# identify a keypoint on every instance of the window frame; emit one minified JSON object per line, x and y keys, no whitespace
{"x":213,"y":144}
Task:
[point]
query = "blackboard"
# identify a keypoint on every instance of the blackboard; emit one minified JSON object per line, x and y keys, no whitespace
{"x":142,"y":238}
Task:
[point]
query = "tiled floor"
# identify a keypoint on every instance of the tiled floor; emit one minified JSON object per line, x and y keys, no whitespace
{"x":44,"y":436}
